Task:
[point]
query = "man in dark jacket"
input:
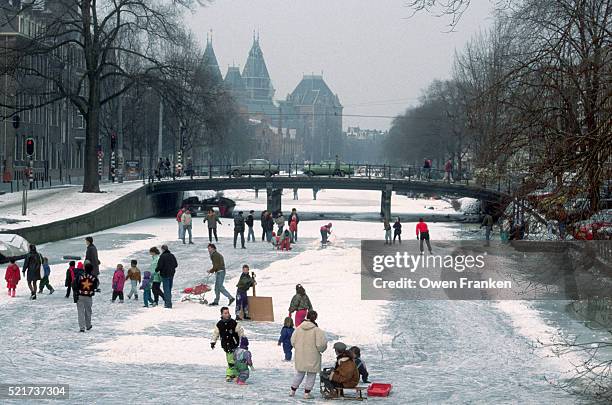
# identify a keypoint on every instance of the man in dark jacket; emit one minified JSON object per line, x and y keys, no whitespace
{"x":239,"y":229}
{"x":244,"y":283}
{"x":230,"y":332}
{"x":250,"y":219}
{"x":263,"y":225}
{"x":84,"y":287}
{"x":166,"y":266}
{"x":32,"y":265}
{"x":92,"y":255}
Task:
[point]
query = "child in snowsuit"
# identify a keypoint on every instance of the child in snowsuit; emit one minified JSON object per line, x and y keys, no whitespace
{"x":285,"y":338}
{"x":45,"y":280}
{"x":245,"y":282}
{"x":134,"y":276}
{"x":145,"y":286}
{"x":69,"y":278}
{"x":361,"y":366}
{"x":118,"y":282}
{"x":244,"y":360}
{"x":12,"y":277}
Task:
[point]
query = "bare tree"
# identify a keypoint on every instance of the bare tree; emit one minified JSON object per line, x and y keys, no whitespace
{"x":115,"y":44}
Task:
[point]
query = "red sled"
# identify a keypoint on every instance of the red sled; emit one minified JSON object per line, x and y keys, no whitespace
{"x":379,"y":390}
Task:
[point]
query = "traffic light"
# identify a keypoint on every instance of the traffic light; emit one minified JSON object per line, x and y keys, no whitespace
{"x":113,"y":141}
{"x":30,"y":146}
{"x":16,"y":121}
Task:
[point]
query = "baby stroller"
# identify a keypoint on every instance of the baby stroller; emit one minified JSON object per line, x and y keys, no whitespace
{"x":196,"y":293}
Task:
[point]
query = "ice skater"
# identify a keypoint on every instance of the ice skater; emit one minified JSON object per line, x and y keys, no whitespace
{"x":12,"y":277}
{"x":423,"y":232}
{"x":285,"y":338}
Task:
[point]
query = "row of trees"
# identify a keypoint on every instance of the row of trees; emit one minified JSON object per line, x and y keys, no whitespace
{"x":111,"y":60}
{"x":529,"y":99}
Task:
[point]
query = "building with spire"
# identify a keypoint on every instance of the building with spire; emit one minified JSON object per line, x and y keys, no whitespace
{"x":306,"y":125}
{"x":209,"y":59}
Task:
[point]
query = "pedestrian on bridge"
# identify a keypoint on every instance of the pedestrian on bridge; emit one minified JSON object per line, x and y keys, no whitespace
{"x":239,"y":229}
{"x":423,"y":232}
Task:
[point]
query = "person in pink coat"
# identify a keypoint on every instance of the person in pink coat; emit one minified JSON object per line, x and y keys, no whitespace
{"x":12,"y":277}
{"x":118,"y":282}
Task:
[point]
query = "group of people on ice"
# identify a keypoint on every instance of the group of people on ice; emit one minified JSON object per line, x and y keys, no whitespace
{"x":304,"y":336}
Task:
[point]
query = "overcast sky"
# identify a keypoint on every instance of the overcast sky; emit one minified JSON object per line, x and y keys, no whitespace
{"x":371,"y":53}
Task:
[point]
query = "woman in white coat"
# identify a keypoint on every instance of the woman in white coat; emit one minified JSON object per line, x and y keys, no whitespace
{"x":309,"y":342}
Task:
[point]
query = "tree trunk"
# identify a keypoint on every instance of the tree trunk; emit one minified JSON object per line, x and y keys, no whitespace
{"x":91,"y":182}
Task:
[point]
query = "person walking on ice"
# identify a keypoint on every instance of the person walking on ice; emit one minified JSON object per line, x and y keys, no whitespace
{"x":423,"y":232}
{"x":309,"y":342}
{"x":84,"y":288}
{"x":230,"y":333}
{"x":186,"y":220}
{"x":133,"y":275}
{"x":243,"y":360}
{"x":212,"y":220}
{"x":32,"y":265}
{"x":218,"y":269}
{"x":285,"y":338}
{"x":118,"y":283}
{"x":244,"y":283}
{"x":397,"y":230}
{"x":387,"y":228}
{"x":45,"y":280}
{"x":300,"y":304}
{"x":12,"y":277}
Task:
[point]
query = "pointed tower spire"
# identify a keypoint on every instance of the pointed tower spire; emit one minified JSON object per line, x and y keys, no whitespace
{"x":209,"y":59}
{"x":255,"y":74}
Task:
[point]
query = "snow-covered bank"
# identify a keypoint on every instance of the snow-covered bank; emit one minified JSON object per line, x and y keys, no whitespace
{"x":57,"y":203}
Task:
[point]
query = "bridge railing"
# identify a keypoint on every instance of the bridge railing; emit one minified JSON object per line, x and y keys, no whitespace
{"x":344,"y":170}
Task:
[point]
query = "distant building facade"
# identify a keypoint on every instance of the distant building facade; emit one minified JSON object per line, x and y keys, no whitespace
{"x":307,"y":125}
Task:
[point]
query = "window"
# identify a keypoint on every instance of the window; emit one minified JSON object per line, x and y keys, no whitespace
{"x":79,"y":120}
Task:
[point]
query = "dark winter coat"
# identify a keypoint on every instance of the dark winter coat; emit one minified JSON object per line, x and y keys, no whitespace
{"x":238,"y":223}
{"x":245,"y":282}
{"x":32,"y":264}
{"x":249,"y":220}
{"x":363,"y":370}
{"x":300,"y":302}
{"x":85,"y":284}
{"x":268,"y":224}
{"x":230,"y":332}
{"x":397,"y":228}
{"x":167,"y":264}
{"x":69,"y":276}
{"x":92,"y":255}
{"x":217,"y":261}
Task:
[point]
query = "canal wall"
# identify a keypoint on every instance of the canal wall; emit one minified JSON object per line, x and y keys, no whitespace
{"x":133,"y":206}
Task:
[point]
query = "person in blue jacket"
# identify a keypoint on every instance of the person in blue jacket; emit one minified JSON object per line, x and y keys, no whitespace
{"x":285,"y":338}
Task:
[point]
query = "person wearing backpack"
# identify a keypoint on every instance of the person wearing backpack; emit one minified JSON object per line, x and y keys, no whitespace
{"x":32,"y":266}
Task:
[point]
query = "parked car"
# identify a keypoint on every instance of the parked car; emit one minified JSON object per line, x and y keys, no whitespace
{"x":260,"y":167}
{"x":328,"y":168}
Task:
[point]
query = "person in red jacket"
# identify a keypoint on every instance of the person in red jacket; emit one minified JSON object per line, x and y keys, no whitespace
{"x":423,"y":232}
{"x":179,"y":219}
{"x":12,"y":277}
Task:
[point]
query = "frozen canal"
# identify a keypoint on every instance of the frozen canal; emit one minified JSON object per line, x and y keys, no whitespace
{"x":431,"y":351}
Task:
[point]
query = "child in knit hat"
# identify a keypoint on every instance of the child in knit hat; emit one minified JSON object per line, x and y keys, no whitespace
{"x":244,"y":360}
